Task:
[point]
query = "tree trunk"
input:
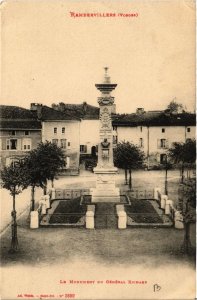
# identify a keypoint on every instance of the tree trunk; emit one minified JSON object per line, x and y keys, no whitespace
{"x":182,"y":173}
{"x":14,"y":242}
{"x":126,"y":181}
{"x":32,"y":198}
{"x":166,"y":181}
{"x":130,"y":179}
{"x":52,"y":183}
{"x":45,"y":188}
{"x":186,"y":247}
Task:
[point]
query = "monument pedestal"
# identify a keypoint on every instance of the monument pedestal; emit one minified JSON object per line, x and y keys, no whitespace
{"x":105,"y":190}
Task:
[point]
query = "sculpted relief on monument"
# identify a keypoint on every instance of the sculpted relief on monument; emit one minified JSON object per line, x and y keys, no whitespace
{"x":105,"y":119}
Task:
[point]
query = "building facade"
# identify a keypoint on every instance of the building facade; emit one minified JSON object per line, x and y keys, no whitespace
{"x":20,"y":132}
{"x":155,"y":132}
{"x":75,"y":129}
{"x":64,"y":131}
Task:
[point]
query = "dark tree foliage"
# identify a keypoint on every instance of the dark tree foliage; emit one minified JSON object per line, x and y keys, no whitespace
{"x":187,"y":205}
{"x":183,"y":154}
{"x":175,"y":107}
{"x":35,"y":177}
{"x":128,"y":156}
{"x":14,"y":178}
{"x":44,"y":163}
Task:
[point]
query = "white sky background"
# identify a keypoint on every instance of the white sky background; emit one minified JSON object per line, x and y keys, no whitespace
{"x":49,"y":57}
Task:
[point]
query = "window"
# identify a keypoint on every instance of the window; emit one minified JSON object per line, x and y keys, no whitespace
{"x":11,"y":161}
{"x":83,"y":148}
{"x":67,"y":162}
{"x":68,"y":144}
{"x":63,"y":130}
{"x":26,"y":144}
{"x":26,"y":132}
{"x":55,"y":130}
{"x":63,"y":143}
{"x":55,"y":141}
{"x":11,"y":144}
{"x":188,"y":129}
{"x":163,"y":158}
{"x":141,"y":142}
{"x":163,"y":130}
{"x":13,"y":132}
{"x":162,"y":143}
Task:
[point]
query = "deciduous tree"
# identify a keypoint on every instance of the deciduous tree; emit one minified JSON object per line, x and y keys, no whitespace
{"x":183,"y":154}
{"x":14,"y":178}
{"x":128,"y":156}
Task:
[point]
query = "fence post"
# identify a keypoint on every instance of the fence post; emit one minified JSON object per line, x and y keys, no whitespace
{"x":34,"y":220}
{"x":53,"y":193}
{"x":122,"y":220}
{"x":178,"y":220}
{"x":156,"y":191}
{"x":90,"y":220}
{"x":164,"y":198}
{"x":168,"y":205}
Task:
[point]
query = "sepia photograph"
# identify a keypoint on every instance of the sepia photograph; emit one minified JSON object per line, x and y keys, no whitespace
{"x":98,"y":149}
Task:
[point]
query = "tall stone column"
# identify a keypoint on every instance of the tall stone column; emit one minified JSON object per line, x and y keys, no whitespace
{"x":105,"y":190}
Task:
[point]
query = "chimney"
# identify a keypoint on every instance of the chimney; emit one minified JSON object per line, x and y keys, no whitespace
{"x":140,"y":111}
{"x":85,"y":106}
{"x":38,"y":108}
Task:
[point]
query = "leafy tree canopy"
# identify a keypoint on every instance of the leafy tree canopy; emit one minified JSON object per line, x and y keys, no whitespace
{"x":176,"y":107}
{"x":128,"y":156}
{"x":15,"y":178}
{"x":183,"y":152}
{"x":49,"y":160}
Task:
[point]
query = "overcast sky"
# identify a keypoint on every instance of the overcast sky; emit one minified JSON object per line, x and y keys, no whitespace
{"x":48,"y":56}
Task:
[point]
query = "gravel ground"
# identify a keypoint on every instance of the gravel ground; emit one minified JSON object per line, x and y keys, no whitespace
{"x":102,"y":245}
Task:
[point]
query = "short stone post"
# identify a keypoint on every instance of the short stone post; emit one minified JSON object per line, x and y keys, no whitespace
{"x":178,"y":220}
{"x":90,"y":220}
{"x":168,"y":205}
{"x":156,"y":191}
{"x":43,"y":208}
{"x":53,"y":193}
{"x":122,"y":220}
{"x":47,"y":201}
{"x":34,"y":220}
{"x":164,"y":198}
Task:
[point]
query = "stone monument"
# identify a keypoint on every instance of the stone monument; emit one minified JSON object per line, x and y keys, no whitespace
{"x":105,"y":190}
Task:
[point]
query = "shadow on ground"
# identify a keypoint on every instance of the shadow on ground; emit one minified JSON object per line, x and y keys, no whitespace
{"x":149,"y":247}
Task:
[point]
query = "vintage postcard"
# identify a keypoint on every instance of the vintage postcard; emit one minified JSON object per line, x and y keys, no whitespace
{"x":97,"y":149}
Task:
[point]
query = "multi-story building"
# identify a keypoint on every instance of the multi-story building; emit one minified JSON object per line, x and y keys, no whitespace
{"x":62,"y":129}
{"x":75,"y":128}
{"x":155,"y":131}
{"x":20,"y":132}
{"x":89,"y":127}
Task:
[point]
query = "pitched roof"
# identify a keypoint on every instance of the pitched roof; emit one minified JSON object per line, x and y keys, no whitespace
{"x":48,"y":113}
{"x":154,"y":118}
{"x":83,"y":111}
{"x":14,"y":117}
{"x":16,"y":112}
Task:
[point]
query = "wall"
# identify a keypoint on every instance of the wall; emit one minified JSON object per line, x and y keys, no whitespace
{"x":151,"y":138}
{"x":89,"y":134}
{"x":34,"y":137}
{"x":71,"y":135}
